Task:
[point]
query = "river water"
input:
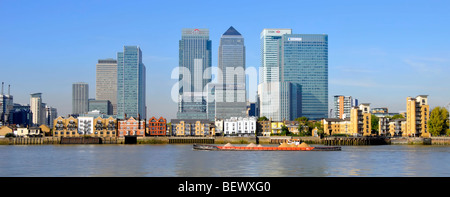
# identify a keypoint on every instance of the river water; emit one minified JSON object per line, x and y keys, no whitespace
{"x":182,"y":161}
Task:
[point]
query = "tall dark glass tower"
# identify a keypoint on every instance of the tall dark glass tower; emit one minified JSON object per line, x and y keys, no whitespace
{"x":294,"y":75}
{"x":195,"y":73}
{"x":230,"y":92}
{"x":305,"y":65}
{"x":130,"y":83}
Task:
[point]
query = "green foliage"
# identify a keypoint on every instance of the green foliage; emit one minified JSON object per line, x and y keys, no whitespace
{"x":397,"y":116}
{"x":301,"y":119}
{"x":438,"y":122}
{"x":284,"y":130}
{"x":375,"y":122}
{"x":305,"y":126}
{"x":10,"y":135}
{"x":263,"y":118}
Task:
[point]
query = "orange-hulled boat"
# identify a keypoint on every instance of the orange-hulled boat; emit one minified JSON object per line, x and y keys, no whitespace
{"x":262,"y":148}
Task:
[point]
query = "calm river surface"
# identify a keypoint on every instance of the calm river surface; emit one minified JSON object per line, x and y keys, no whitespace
{"x":181,"y":161}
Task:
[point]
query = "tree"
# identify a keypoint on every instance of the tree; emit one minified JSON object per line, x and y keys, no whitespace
{"x":301,"y":119}
{"x":397,"y":116}
{"x":302,"y":124}
{"x":375,"y":121}
{"x":438,"y":122}
{"x":262,"y":118}
{"x":284,"y":130}
{"x":10,"y":135}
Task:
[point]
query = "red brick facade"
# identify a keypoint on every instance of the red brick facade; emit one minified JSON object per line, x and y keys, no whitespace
{"x":131,"y":126}
{"x":157,"y":127}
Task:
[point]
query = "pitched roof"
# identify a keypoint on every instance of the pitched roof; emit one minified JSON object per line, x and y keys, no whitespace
{"x":232,"y":31}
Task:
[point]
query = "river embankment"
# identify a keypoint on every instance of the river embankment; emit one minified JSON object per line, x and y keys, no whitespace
{"x":224,"y":140}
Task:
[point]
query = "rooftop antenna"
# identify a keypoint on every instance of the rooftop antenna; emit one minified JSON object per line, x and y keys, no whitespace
{"x":9,"y":86}
{"x":2,"y":87}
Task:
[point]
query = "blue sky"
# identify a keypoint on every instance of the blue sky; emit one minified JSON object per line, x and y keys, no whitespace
{"x":379,"y":51}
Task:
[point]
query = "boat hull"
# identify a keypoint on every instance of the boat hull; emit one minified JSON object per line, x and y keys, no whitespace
{"x":244,"y":148}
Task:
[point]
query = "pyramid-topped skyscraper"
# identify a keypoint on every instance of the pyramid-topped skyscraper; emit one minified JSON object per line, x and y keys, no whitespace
{"x":232,"y":32}
{"x":230,"y":92}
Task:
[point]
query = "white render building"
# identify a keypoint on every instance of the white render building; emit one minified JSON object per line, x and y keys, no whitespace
{"x":85,"y":125}
{"x":239,"y":126}
{"x":36,"y":109}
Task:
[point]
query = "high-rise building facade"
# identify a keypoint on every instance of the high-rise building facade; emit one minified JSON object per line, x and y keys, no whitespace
{"x":21,"y":115}
{"x":106,"y":82}
{"x":304,"y":63}
{"x":36,"y":109}
{"x":293,"y":75}
{"x":80,"y":98}
{"x":50,"y":114}
{"x":230,"y":93}
{"x":195,"y":73}
{"x":270,"y":85}
{"x":102,"y":106}
{"x":417,"y":116}
{"x":271,"y":54}
{"x":6,"y":106}
{"x":130,"y":83}
{"x":343,"y":105}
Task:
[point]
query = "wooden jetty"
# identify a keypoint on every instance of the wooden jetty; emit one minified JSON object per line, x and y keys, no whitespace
{"x":191,"y":140}
{"x":352,"y":141}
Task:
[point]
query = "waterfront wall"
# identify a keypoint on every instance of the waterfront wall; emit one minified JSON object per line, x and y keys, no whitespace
{"x":355,"y":141}
{"x":234,"y":140}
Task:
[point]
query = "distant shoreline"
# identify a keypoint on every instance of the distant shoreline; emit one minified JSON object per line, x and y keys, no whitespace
{"x":215,"y":140}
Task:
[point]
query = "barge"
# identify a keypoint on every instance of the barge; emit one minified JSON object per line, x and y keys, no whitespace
{"x":262,"y":148}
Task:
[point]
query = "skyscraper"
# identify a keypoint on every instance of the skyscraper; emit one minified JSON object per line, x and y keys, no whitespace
{"x":131,"y":83}
{"x":36,"y":109}
{"x":230,"y":92}
{"x":304,"y":63}
{"x":50,"y":114}
{"x":270,"y":87}
{"x":271,"y":54}
{"x":80,"y":98}
{"x":195,"y":73}
{"x":106,"y":82}
{"x":6,"y":106}
{"x":293,"y":75}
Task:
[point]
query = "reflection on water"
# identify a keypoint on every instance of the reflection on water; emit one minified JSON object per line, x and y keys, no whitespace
{"x":181,"y":160}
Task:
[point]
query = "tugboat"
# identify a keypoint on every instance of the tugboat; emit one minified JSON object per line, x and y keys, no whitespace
{"x":204,"y":147}
{"x":295,"y":142}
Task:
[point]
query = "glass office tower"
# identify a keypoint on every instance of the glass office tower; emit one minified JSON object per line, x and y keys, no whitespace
{"x":270,"y":87}
{"x":304,"y":63}
{"x":293,"y":75}
{"x":130,"y":83}
{"x":195,"y":73}
{"x":106,"y":82}
{"x":230,"y":97}
{"x":270,"y":54}
{"x":80,"y":98}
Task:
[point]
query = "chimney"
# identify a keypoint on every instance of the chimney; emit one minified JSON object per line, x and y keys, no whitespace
{"x":139,"y":121}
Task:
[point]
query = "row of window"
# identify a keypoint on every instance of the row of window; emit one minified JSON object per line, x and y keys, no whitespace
{"x":73,"y":133}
